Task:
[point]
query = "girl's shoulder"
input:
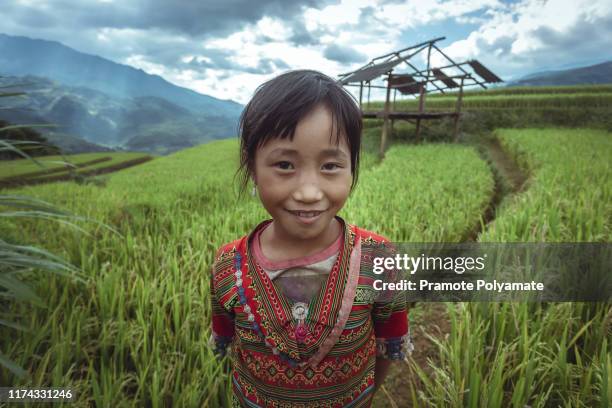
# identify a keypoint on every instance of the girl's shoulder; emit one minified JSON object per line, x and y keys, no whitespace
{"x":370,"y":237}
{"x":223,"y":270}
{"x":229,"y":248}
{"x":228,"y":251}
{"x":374,"y":244}
{"x":225,"y":257}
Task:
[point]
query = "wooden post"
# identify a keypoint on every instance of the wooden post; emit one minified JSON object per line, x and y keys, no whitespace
{"x":385,"y":129}
{"x":458,"y":111}
{"x":361,"y":95}
{"x":423,"y":92}
{"x":428,"y":66}
{"x":393,"y":106}
{"x":421,"y":109}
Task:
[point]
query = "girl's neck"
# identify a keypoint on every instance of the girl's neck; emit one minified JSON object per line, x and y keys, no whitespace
{"x":278,"y":248}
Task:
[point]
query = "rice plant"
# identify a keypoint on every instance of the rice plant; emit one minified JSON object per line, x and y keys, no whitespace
{"x":137,"y":333}
{"x":537,"y":355}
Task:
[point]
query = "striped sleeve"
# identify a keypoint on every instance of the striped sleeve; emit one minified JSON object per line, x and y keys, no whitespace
{"x":390,"y":317}
{"x":222,"y":319}
{"x":391,"y":329}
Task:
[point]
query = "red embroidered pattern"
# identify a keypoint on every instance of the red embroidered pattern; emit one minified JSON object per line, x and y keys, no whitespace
{"x":279,"y":327}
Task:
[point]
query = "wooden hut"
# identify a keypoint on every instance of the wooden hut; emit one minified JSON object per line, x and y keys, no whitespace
{"x":400,"y":70}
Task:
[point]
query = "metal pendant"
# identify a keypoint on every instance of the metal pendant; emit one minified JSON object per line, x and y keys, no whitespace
{"x":299,"y":312}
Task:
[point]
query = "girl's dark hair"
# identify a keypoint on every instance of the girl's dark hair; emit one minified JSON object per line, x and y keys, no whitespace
{"x":280,"y":103}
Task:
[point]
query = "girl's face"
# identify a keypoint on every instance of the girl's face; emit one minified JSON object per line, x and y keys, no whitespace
{"x":305,"y":182}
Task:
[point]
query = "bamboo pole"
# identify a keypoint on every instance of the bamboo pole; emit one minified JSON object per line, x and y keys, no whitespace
{"x":458,"y":65}
{"x":423,"y":92}
{"x":385,"y":129}
{"x":361,"y":95}
{"x":458,"y":111}
{"x":421,"y":109}
{"x":371,"y":63}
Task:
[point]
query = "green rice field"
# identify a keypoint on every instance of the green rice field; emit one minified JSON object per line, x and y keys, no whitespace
{"x":522,"y":90}
{"x":601,"y":100}
{"x":535,"y":354}
{"x":134,"y":332}
{"x":589,"y":97}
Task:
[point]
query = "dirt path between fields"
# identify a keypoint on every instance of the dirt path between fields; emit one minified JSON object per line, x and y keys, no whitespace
{"x":425,"y":319}
{"x":431,"y":319}
{"x":509,"y":179}
{"x":506,"y":166}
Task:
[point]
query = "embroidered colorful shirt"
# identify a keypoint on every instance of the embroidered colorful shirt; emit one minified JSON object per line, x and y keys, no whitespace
{"x":347,"y":326}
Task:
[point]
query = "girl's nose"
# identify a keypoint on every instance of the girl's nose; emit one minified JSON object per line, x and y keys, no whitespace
{"x":308,"y":192}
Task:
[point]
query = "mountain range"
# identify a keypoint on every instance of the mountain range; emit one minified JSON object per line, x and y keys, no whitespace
{"x":592,"y":74}
{"x":50,"y":59}
{"x":105,"y":103}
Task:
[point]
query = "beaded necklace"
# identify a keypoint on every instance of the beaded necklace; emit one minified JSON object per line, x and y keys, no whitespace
{"x":251,"y":316}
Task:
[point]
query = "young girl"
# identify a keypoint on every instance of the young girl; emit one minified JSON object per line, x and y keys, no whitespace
{"x":295,"y":297}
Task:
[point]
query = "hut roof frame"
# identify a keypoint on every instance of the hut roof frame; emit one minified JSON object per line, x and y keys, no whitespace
{"x":473,"y":72}
{"x":416,"y":81}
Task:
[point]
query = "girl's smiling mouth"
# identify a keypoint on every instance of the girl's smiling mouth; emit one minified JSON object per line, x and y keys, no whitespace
{"x":306,"y":217}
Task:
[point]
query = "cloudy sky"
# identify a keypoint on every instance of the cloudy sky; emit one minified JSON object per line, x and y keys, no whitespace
{"x":227,"y":48}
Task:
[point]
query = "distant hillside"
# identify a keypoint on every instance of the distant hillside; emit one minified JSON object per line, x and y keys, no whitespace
{"x":75,"y":145}
{"x":25,"y":56}
{"x":594,"y":74}
{"x":86,"y":118}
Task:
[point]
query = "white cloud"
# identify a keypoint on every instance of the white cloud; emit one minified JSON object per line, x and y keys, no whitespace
{"x":140,"y":61}
{"x":247,"y":52}
{"x":331,"y":17}
{"x":418,"y":13}
{"x":511,"y":37}
{"x":533,"y":33}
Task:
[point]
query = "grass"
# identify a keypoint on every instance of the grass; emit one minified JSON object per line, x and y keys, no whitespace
{"x":521,"y":354}
{"x":135,"y":333}
{"x":569,"y":196}
{"x":430,"y":193}
{"x":537,"y":355}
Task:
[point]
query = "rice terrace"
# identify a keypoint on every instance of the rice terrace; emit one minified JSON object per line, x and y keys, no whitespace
{"x":53,"y":168}
{"x":528,"y":164}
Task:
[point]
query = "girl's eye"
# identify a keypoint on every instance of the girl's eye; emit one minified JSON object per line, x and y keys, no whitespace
{"x":284,"y":165}
{"x":331,"y":166}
